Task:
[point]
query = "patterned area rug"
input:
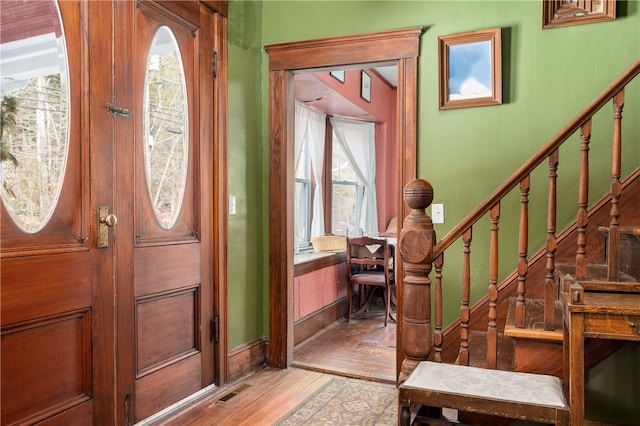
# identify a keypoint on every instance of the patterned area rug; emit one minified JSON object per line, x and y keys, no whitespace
{"x":347,"y":402}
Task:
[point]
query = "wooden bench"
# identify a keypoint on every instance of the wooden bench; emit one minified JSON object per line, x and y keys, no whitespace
{"x":510,"y":394}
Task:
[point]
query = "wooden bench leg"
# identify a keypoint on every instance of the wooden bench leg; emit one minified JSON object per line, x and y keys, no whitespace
{"x":405,"y":416}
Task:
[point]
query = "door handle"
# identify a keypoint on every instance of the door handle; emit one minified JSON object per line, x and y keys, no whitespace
{"x":106,"y":220}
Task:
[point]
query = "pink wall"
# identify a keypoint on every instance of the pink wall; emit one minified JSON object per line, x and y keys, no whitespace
{"x":383,"y":110}
{"x":318,"y":289}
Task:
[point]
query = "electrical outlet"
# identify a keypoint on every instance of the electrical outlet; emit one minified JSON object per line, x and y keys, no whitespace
{"x":437,"y":213}
{"x":232,"y":204}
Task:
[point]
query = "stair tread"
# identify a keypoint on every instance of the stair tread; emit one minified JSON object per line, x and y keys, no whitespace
{"x":534,"y":321}
{"x":624,"y":230}
{"x":597,"y":279}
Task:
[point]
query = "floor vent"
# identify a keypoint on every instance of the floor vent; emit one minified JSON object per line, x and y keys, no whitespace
{"x":227,"y":396}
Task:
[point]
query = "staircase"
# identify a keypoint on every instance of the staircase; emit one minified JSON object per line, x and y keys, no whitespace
{"x":518,"y":325}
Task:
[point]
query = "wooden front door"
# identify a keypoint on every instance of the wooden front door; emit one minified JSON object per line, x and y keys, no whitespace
{"x":165,"y":289}
{"x":47,"y":285}
{"x":107,"y":214}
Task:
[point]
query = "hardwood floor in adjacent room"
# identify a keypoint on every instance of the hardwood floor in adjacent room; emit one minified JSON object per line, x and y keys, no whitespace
{"x":362,"y":348}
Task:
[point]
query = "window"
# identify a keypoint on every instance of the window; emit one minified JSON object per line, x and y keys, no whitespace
{"x":302,"y":199}
{"x":346,"y":194}
{"x":334,"y":177}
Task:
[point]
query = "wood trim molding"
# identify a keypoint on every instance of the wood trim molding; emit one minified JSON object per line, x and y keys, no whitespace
{"x":399,"y":47}
{"x":317,"y":264}
{"x":246,"y":358}
{"x":357,"y":49}
{"x":220,"y":6}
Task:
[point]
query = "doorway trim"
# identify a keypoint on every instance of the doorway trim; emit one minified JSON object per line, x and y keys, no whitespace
{"x":398,"y":46}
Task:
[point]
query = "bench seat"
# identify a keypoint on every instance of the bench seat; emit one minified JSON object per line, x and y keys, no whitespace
{"x":515,"y":395}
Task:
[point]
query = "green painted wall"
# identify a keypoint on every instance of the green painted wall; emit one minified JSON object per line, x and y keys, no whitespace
{"x":247,"y":232}
{"x":548,"y":77}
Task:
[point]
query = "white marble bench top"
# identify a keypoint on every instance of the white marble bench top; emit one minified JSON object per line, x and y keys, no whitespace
{"x":498,"y":385}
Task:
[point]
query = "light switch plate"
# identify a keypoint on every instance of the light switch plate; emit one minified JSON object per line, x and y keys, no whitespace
{"x":232,"y":204}
{"x":437,"y":213}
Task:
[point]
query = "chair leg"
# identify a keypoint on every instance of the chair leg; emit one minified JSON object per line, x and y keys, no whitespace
{"x":349,"y":300}
{"x":387,"y":305}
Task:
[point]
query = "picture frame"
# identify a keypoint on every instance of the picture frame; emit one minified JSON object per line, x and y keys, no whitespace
{"x":470,"y":69}
{"x":338,"y":75}
{"x":365,"y":86}
{"x":556,"y":14}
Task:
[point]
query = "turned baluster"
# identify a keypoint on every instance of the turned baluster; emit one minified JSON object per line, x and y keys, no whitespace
{"x":492,"y":330}
{"x":437,"y":329}
{"x":415,"y":246}
{"x":583,"y":200}
{"x":613,"y":249}
{"x":550,"y":284}
{"x":523,"y":243}
{"x":465,"y":312}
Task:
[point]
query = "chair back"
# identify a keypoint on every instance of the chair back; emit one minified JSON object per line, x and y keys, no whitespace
{"x":368,"y":255}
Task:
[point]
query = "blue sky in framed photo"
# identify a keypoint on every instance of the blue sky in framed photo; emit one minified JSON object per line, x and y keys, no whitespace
{"x":470,"y":70}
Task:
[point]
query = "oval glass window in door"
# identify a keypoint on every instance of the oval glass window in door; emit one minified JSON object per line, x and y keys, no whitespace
{"x":166,"y":127}
{"x":34,"y":116}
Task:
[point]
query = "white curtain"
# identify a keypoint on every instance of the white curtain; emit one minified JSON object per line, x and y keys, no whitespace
{"x":357,"y":139}
{"x":300,"y":132}
{"x":310,"y":128}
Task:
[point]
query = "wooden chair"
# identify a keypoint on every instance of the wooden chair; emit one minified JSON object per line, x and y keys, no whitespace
{"x":369,"y":263}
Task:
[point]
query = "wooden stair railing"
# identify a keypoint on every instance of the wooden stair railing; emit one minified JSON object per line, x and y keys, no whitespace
{"x":420,"y":252}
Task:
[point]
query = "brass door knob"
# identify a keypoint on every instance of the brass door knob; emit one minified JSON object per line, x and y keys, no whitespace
{"x":106,"y":220}
{"x":110,"y":220}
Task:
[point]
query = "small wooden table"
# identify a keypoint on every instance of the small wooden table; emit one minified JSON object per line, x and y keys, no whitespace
{"x":597,"y":315}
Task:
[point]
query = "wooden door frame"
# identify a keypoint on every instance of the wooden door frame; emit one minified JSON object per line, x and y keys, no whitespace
{"x":400,"y":47}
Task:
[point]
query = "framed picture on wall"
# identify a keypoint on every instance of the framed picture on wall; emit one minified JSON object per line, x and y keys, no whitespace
{"x":470,"y":69}
{"x":563,"y":14}
{"x":338,"y":75}
{"x":365,"y":87}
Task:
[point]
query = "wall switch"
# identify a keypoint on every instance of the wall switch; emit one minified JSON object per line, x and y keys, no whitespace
{"x":437,"y":213}
{"x":232,"y":204}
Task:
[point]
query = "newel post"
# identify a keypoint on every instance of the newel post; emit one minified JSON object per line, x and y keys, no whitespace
{"x":415,"y":245}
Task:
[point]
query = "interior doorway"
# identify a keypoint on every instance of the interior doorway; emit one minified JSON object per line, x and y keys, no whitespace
{"x":334,"y":169}
{"x":396,"y":47}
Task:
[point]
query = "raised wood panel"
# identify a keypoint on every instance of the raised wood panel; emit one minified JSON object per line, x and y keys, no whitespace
{"x":177,"y":381}
{"x":166,"y":328}
{"x":81,"y":415}
{"x":163,"y":268}
{"x":46,"y":367}
{"x":34,"y":287}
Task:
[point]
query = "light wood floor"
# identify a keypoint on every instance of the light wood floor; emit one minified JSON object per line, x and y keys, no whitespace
{"x":362,"y":348}
{"x":260,"y":399}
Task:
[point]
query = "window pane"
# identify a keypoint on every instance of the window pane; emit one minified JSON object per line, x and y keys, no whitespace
{"x":346,"y":197}
{"x":302,"y":213}
{"x":343,"y":211}
{"x":34,"y":113}
{"x":166,"y":118}
{"x":342,"y":170}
